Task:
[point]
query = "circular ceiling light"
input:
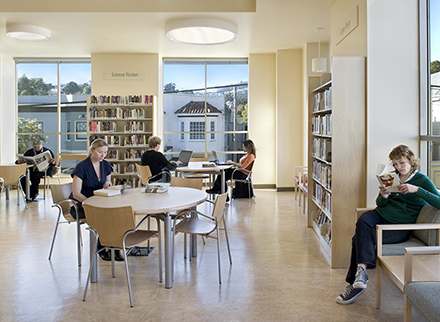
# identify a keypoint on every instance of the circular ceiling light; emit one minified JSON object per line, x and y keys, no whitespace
{"x":201,"y":31}
{"x":27,"y":32}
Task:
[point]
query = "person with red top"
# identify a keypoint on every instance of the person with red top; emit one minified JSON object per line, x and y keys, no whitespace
{"x":244,"y":163}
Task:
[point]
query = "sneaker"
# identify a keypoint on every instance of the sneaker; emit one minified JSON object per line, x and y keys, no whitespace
{"x":361,"y":278}
{"x":349,"y":295}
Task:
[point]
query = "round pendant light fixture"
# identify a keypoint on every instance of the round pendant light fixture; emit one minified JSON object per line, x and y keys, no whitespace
{"x":27,"y":32}
{"x":201,"y":31}
{"x":319,"y":65}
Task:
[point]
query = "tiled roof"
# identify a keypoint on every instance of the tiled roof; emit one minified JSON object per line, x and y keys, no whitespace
{"x":197,"y":108}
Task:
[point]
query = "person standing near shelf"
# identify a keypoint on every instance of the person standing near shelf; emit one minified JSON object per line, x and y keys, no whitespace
{"x":402,"y":207}
{"x":89,"y":175}
{"x":156,"y":160}
{"x":244,"y":163}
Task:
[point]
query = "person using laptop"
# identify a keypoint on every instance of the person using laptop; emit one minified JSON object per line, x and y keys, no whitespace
{"x":155,"y":159}
{"x":244,"y":163}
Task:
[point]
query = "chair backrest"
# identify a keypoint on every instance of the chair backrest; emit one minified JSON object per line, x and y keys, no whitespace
{"x":110,"y":223}
{"x":62,"y":192}
{"x":144,"y":172}
{"x":188,"y":183}
{"x":428,"y":214}
{"x":219,"y":206}
{"x":11,"y":173}
{"x":204,"y":159}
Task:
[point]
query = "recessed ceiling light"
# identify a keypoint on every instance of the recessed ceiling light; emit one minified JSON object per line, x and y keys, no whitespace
{"x":27,"y":32}
{"x":201,"y":31}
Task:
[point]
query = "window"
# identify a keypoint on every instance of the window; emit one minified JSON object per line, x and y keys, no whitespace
{"x":211,"y":97}
{"x":54,"y":92}
{"x":197,"y":130}
{"x":182,"y":129}
{"x":430,"y":88}
{"x":212,"y":130}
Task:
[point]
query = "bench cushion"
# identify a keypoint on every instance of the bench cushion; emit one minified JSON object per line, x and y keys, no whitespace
{"x":423,"y":297}
{"x":399,"y":249}
{"x":428,"y":214}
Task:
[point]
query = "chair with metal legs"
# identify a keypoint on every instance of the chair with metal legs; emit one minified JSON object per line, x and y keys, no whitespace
{"x":117,"y":230}
{"x":60,"y":197}
{"x":247,"y":180}
{"x":12,"y":175}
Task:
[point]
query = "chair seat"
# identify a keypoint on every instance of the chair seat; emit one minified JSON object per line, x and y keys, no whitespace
{"x":399,"y":249}
{"x":423,"y":296}
{"x":139,"y":237}
{"x":195,"y":226}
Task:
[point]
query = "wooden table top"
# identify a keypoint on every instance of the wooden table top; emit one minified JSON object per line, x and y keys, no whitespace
{"x":175,"y":199}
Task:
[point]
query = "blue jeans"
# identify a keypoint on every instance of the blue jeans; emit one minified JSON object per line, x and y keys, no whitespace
{"x":363,"y":246}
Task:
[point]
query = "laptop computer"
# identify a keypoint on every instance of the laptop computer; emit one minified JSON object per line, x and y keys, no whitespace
{"x":216,"y":161}
{"x":184,"y":157}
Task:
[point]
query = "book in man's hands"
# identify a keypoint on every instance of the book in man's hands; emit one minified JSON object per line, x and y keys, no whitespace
{"x":387,"y":179}
{"x":109,"y":192}
{"x":40,"y":161}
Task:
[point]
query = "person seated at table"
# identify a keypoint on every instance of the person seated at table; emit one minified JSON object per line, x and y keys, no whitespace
{"x":89,"y":175}
{"x":244,"y":163}
{"x":156,"y":160}
{"x":35,"y":175}
{"x":402,"y":207}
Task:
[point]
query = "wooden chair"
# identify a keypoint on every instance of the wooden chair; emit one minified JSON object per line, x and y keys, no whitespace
{"x":60,"y":197}
{"x":143,"y":172}
{"x":390,"y":257}
{"x":116,"y":229}
{"x":204,"y":225}
{"x":304,"y":190}
{"x":11,"y":174}
{"x":422,"y":293}
{"x":299,"y":174}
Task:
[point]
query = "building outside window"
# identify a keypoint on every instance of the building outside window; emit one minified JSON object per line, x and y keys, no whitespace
{"x":213,"y":104}
{"x":53,"y":93}
{"x":430,"y":88}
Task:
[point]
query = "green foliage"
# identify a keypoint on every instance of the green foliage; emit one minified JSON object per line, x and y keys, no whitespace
{"x":71,"y":88}
{"x":86,"y":89}
{"x":244,"y":115}
{"x":33,"y":86}
{"x":170,"y":87}
{"x":435,"y":66}
{"x":241,"y":97}
{"x":29,"y":126}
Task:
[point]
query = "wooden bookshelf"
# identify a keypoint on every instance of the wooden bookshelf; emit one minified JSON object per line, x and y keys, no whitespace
{"x":126,"y":123}
{"x":337,"y":157}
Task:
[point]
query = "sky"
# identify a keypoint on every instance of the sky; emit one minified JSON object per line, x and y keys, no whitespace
{"x":435,"y":29}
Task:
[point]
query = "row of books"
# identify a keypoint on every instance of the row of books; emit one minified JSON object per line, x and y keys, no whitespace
{"x":125,"y":140}
{"x":133,"y":182}
{"x":323,"y":101}
{"x":128,"y":168}
{"x":113,"y":155}
{"x":118,"y":99}
{"x":117,"y":113}
{"x":133,"y":154}
{"x":109,"y":126}
{"x":322,"y":197}
{"x":324,"y":224}
{"x":322,"y":124}
{"x":322,"y":148}
{"x":323,"y":173}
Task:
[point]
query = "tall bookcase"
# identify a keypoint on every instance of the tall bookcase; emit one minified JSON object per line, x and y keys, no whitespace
{"x":337,"y":157}
{"x":126,"y":123}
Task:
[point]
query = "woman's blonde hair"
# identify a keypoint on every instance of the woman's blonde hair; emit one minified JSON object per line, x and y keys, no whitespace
{"x":402,"y":151}
{"x":97,"y":143}
{"x":250,"y":147}
{"x":153,"y":141}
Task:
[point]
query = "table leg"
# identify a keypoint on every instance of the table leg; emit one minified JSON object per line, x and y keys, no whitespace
{"x":94,"y":275}
{"x":28,"y":183}
{"x":168,"y":252}
{"x":222,"y":190}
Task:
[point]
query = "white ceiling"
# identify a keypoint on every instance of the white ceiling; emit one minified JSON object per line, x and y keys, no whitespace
{"x":276,"y":24}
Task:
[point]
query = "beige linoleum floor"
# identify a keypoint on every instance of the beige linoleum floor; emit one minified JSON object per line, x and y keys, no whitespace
{"x":278,"y":273}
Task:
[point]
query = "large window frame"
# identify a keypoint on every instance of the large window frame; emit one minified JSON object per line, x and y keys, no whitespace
{"x":69,"y":134}
{"x":210,"y":132}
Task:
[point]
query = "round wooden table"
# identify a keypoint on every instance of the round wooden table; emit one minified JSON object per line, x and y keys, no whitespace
{"x":175,"y":199}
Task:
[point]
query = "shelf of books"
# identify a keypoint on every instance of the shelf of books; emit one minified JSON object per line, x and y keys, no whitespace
{"x":126,"y":123}
{"x":337,"y":156}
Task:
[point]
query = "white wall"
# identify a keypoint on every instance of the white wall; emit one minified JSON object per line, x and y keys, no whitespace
{"x":8,"y":113}
{"x":392,"y":82}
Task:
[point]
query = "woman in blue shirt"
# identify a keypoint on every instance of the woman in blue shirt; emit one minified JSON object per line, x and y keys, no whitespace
{"x":89,"y":175}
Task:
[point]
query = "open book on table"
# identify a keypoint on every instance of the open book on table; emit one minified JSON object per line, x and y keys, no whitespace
{"x":110,"y":191}
{"x":387,"y":179}
{"x":40,"y":161}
